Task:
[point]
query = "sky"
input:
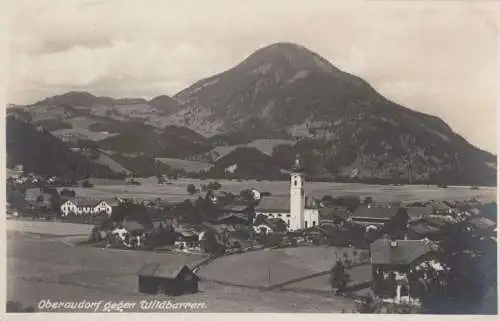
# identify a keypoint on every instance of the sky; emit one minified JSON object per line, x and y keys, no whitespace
{"x":437,"y":57}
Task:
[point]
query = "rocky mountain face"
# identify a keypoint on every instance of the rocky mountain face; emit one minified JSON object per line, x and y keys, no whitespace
{"x":344,"y":127}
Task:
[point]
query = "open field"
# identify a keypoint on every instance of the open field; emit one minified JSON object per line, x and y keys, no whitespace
{"x":51,"y":228}
{"x":177,"y":190}
{"x":188,"y":166}
{"x":46,"y":268}
{"x":105,"y":160}
{"x":358,"y":274}
{"x":80,"y":126}
{"x":272,"y":267}
{"x":266,"y":146}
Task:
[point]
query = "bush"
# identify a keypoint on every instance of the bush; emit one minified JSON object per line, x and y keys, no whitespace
{"x":191,"y":189}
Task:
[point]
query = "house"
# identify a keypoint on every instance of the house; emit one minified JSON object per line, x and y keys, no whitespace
{"x":86,"y":207}
{"x":236,"y":214}
{"x":187,"y":237}
{"x":172,"y":279}
{"x":270,"y":225}
{"x":373,"y":215}
{"x":392,"y":261}
{"x":234,"y":219}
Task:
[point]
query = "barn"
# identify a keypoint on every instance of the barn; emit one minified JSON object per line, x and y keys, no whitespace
{"x":171,"y":279}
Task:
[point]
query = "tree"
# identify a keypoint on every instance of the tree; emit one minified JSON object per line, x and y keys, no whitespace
{"x":396,"y":227}
{"x":191,"y":189}
{"x":338,"y":277}
{"x":368,"y":200}
{"x":247,"y":194}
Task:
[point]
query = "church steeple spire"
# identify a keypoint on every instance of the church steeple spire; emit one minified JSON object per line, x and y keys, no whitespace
{"x":297,"y":166}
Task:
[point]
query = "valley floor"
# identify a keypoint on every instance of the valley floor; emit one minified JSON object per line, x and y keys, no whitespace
{"x":177,"y":190}
{"x":45,"y":267}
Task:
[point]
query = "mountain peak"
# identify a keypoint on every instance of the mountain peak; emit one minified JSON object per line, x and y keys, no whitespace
{"x":289,"y":55}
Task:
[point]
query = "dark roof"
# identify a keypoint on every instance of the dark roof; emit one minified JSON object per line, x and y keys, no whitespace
{"x":331,"y":213}
{"x":241,"y":216}
{"x":421,"y":228}
{"x":170,"y":271}
{"x":482,"y":223}
{"x":235,"y":208}
{"x":439,"y":206}
{"x":374,"y":212}
{"x":403,"y":253}
{"x":419,"y":211}
{"x":273,"y":204}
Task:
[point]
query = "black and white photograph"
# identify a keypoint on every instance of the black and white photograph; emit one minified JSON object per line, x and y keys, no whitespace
{"x":279,"y":156}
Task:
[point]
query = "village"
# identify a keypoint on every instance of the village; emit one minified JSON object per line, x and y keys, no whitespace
{"x":385,"y":252}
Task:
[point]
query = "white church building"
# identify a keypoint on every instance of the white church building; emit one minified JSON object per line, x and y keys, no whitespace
{"x":297,"y":211}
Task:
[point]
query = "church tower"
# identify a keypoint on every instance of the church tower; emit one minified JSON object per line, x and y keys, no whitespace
{"x":297,"y":196}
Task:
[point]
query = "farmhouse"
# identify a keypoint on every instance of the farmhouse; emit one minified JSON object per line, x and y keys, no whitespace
{"x":171,"y":279}
{"x":392,"y":261}
{"x":86,"y":207}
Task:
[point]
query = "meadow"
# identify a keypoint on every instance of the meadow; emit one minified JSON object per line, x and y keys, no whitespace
{"x":272,"y":267}
{"x":41,"y":268}
{"x":176,"y":192}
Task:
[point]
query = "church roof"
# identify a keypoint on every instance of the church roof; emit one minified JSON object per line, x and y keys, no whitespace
{"x":273,"y":204}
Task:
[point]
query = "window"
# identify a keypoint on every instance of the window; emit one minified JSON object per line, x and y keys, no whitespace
{"x":288,"y":215}
{"x":288,"y":223}
{"x":295,"y":183}
{"x":305,"y":224}
{"x":314,"y":223}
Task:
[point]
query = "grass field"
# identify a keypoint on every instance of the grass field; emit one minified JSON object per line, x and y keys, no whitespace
{"x":80,"y":126}
{"x":47,"y":268}
{"x":149,"y":189}
{"x":358,"y":274}
{"x":266,"y":146}
{"x":188,"y":166}
{"x":271,"y":267}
